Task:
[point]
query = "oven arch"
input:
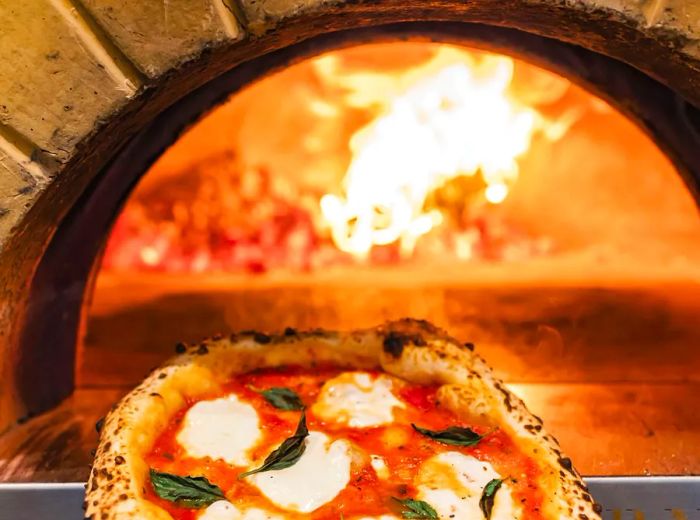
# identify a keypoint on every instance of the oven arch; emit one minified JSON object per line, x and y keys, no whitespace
{"x":47,"y":311}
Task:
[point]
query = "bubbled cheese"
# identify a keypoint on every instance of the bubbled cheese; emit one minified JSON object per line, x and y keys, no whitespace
{"x":224,"y":428}
{"x":453,"y":483}
{"x":358,"y":400}
{"x":379,"y":465}
{"x":320,"y":474}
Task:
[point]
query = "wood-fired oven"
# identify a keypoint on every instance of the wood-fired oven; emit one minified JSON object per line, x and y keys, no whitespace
{"x":523,"y":173}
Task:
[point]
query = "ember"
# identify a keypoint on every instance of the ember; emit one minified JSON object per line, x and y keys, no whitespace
{"x":431,"y":149}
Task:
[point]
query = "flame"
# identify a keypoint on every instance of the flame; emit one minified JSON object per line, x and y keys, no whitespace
{"x":451,"y":120}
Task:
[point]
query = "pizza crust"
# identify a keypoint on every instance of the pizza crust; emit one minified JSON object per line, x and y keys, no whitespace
{"x":409,"y":349}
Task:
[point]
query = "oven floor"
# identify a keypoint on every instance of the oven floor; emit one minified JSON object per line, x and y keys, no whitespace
{"x":607,"y":429}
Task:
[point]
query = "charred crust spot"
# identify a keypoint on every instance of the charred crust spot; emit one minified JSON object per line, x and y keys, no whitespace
{"x":394,"y":342}
{"x":469,"y":345}
{"x":597,"y":508}
{"x":99,"y":425}
{"x":289,"y":331}
{"x":506,"y":397}
{"x":180,"y":348}
{"x":422,"y":324}
{"x":118,"y":460}
{"x":202,"y":350}
{"x":162,"y":375}
{"x":155,"y":394}
{"x":261,"y":338}
{"x":583,"y":516}
{"x":123,"y":497}
{"x":565,"y":463}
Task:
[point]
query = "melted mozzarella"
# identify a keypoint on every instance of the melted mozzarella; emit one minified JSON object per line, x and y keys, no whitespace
{"x":379,"y":465}
{"x":320,"y":474}
{"x":224,"y":428}
{"x":453,"y":484}
{"x":358,"y":400}
{"x":223,"y":510}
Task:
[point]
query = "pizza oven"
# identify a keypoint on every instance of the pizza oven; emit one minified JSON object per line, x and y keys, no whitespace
{"x":524,"y":174}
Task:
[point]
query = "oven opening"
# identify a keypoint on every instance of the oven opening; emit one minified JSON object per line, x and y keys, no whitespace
{"x":501,"y":201}
{"x":483,"y":193}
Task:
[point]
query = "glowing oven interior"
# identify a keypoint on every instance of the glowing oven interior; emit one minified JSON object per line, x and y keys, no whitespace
{"x":488,"y":195}
{"x":412,"y":156}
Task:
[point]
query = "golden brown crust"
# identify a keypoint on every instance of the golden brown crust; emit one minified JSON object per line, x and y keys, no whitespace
{"x":410,"y":349}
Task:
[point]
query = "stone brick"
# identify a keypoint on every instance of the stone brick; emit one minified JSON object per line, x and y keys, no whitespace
{"x":53,"y":87}
{"x":157,"y":35}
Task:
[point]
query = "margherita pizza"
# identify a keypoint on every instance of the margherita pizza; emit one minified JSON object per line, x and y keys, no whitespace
{"x":399,"y":421}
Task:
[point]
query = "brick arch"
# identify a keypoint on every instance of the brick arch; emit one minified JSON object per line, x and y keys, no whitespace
{"x":78,"y":78}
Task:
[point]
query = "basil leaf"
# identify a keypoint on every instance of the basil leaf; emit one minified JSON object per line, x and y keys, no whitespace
{"x":488,"y":496}
{"x":416,"y":509}
{"x":454,"y":435}
{"x":287,"y":454}
{"x":195,"y":492}
{"x":283,"y":398}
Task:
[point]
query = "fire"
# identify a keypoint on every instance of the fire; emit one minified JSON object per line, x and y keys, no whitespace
{"x":454,"y":120}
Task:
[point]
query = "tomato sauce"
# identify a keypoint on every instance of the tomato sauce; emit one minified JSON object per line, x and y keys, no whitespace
{"x":403,"y":449}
